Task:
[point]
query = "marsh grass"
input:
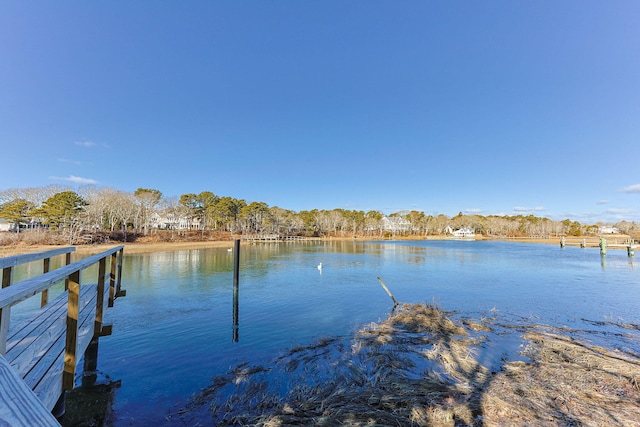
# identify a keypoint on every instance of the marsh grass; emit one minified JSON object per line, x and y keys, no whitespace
{"x":421,"y":368}
{"x":568,"y":383}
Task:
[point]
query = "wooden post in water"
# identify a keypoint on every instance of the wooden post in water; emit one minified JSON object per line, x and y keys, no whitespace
{"x":562,"y":243}
{"x":630,"y":248}
{"x":90,"y":366}
{"x":236,"y":287}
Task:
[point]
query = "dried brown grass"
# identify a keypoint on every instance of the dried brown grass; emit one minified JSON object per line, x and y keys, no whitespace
{"x":420,"y":368}
{"x":568,"y":383}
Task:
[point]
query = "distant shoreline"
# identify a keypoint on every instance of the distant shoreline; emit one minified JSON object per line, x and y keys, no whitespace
{"x":149,"y":247}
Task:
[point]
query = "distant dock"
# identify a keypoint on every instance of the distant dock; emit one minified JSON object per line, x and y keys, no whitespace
{"x":601,"y":242}
{"x":275,"y":238}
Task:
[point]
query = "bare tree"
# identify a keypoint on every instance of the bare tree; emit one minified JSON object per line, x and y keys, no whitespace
{"x":148,"y":199}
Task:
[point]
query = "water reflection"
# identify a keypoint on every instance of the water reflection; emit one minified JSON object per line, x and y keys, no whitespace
{"x":91,"y":405}
{"x":236,"y":316}
{"x":236,"y":289}
{"x":171,"y":332}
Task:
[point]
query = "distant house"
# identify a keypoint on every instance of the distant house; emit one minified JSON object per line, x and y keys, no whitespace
{"x":609,"y":230}
{"x":395,"y":224}
{"x":464,"y":232}
{"x":6,"y":225}
{"x":169,"y":221}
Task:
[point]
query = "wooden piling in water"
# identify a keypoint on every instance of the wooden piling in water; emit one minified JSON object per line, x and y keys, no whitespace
{"x":603,"y":246}
{"x":236,"y":288}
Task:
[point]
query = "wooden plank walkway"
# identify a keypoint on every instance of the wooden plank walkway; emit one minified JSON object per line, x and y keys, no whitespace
{"x":19,"y":405}
{"x":42,"y":351}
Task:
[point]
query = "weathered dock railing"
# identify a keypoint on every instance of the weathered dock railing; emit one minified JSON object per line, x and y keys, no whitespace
{"x":40,"y":354}
{"x":8,"y":263}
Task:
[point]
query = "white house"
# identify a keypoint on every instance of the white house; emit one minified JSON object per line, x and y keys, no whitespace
{"x":464,"y":232}
{"x":6,"y":225}
{"x":606,"y":229}
{"x":168,"y":221}
{"x":395,"y":224}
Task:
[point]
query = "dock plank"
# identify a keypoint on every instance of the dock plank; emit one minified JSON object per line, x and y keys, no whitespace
{"x":45,"y":376}
{"x":45,"y":343}
{"x":19,"y":406}
{"x":32,"y":340}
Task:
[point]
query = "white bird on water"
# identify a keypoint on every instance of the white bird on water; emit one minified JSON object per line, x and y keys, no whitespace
{"x":320,"y":266}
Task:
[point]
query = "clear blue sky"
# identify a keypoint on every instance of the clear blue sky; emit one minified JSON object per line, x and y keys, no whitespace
{"x":489,"y":107}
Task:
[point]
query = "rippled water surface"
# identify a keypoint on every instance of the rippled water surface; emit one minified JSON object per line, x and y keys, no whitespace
{"x":173,"y":331}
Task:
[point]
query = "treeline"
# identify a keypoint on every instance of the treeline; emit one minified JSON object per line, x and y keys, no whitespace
{"x":70,"y":215}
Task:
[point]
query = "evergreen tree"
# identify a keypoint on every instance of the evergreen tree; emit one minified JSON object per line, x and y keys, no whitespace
{"x":61,"y":209}
{"x":16,"y":211}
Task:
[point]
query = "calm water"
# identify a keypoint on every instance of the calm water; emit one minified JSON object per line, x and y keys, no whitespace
{"x":173,"y":330}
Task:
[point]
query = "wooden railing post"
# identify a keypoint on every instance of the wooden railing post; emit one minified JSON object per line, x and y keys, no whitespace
{"x":5,"y":313}
{"x":102,"y":268}
{"x":112,"y":280}
{"x":67,"y":259}
{"x":68,"y":377}
{"x":44,"y":297}
{"x":119,"y":291}
{"x":89,"y":371}
{"x":7,"y":276}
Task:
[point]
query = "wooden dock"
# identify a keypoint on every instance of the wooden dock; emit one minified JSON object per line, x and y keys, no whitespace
{"x":594,"y":242}
{"x":601,"y":242}
{"x":38,"y":357}
{"x":275,"y":238}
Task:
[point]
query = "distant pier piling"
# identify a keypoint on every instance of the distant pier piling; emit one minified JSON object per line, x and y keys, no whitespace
{"x":603,"y":246}
{"x":630,"y":250}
